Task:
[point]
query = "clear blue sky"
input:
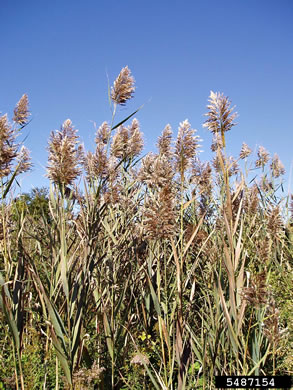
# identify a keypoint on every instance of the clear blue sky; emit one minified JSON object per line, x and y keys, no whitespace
{"x":59,"y":53}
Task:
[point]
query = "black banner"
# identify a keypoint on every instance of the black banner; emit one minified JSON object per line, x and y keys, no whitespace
{"x":253,"y":382}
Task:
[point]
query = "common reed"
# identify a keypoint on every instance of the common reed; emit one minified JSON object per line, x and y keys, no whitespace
{"x":127,"y":142}
{"x":186,"y":147}
{"x":263,"y":157}
{"x":245,"y":151}
{"x":64,"y":155}
{"x":164,"y":142}
{"x":220,"y":115}
{"x":21,"y":111}
{"x":8,"y":148}
{"x":159,"y":273}
{"x":123,"y":88}
{"x":160,"y":215}
{"x":277,"y":168}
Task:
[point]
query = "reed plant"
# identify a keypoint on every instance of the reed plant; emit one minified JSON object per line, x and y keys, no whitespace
{"x":134,"y":271}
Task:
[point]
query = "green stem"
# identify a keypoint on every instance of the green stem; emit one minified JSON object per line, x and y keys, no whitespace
{"x":20,"y":370}
{"x":113,"y":330}
{"x":57,"y":375}
{"x":15,"y":367}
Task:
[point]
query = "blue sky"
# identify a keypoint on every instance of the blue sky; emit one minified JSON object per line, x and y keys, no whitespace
{"x":60,"y":52}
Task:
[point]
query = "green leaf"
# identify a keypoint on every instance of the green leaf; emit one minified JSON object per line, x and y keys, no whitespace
{"x":61,"y":357}
{"x":231,"y":331}
{"x":126,"y":119}
{"x":9,"y":316}
{"x":108,"y":335}
{"x":9,"y":183}
{"x":155,"y":298}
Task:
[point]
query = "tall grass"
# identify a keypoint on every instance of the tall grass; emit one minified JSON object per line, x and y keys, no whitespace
{"x":155,"y":272}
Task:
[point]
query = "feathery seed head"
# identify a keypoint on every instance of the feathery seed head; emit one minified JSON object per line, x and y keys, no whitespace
{"x":266,"y":184}
{"x":68,"y":130}
{"x":103,"y":134}
{"x":134,"y":127}
{"x":217,"y":142}
{"x":202,"y":176}
{"x":275,"y":222}
{"x":24,"y":160}
{"x":147,"y":169}
{"x":86,"y":378}
{"x":21,"y":112}
{"x":160,"y":215}
{"x":245,"y":151}
{"x":163,"y":171}
{"x":140,"y":359}
{"x":8,"y":148}
{"x":96,"y":164}
{"x":135,"y":143}
{"x":277,"y":167}
{"x":128,"y":141}
{"x":65,"y":155}
{"x":257,"y":294}
{"x":216,"y":162}
{"x":123,"y":87}
{"x":220,"y":116}
{"x":156,"y":171}
{"x":264,"y":248}
{"x":251,"y":200}
{"x":263,"y":157}
{"x":113,"y":187}
{"x":119,"y":145}
{"x":89,"y":165}
{"x":164,"y":142}
{"x":186,"y":147}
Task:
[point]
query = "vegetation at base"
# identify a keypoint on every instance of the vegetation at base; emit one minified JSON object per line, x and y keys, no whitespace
{"x":155,"y":272}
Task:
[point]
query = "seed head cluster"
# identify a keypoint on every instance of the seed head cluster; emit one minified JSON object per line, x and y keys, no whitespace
{"x":123,"y":88}
{"x":103,"y":133}
{"x":10,"y":152}
{"x":96,"y":164}
{"x":112,"y":190}
{"x":8,"y":148}
{"x":186,"y":147}
{"x":65,"y":155}
{"x":24,"y":160}
{"x":263,"y":157}
{"x":277,"y":167}
{"x":217,"y":142}
{"x":21,"y":112}
{"x":220,"y":115}
{"x":160,"y":215}
{"x":257,"y":293}
{"x":164,"y":142}
{"x":245,"y":151}
{"x":251,"y":200}
{"x":165,"y":233}
{"x":266,"y":184}
{"x":264,"y":248}
{"x":156,"y":171}
{"x":275,"y":222}
{"x":127,"y":142}
{"x":202,"y":176}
